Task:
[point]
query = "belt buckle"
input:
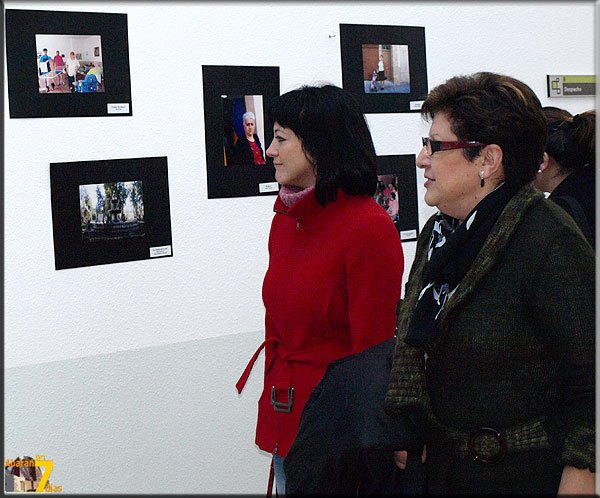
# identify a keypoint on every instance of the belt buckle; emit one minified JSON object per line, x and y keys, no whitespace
{"x":483,"y":431}
{"x":282,"y":406}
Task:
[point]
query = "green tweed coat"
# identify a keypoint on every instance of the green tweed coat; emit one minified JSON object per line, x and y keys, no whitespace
{"x":516,"y":344}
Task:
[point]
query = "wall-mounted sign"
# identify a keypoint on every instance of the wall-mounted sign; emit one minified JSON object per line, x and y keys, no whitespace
{"x":571,"y":86}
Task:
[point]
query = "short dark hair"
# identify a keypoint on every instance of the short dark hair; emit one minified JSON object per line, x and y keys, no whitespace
{"x":334,"y":134}
{"x":494,"y":109}
{"x":571,"y":139}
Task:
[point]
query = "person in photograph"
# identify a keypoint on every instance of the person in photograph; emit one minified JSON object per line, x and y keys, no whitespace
{"x":45,"y":58}
{"x":88,"y":84}
{"x":393,"y":206}
{"x":568,"y":171}
{"x":335,"y":259}
{"x":373,"y":86}
{"x":59,"y":66}
{"x":381,"y":72}
{"x":495,"y":342}
{"x":72,"y":66}
{"x":58,"y":61}
{"x":96,"y":72}
{"x":248,"y":149}
{"x":379,"y":195}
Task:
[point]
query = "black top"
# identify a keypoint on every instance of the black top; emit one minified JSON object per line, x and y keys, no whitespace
{"x":576,"y":194}
{"x":242,"y":152}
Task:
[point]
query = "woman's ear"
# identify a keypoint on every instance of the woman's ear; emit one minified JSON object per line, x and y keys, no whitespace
{"x":545,"y":162}
{"x":492,"y":162}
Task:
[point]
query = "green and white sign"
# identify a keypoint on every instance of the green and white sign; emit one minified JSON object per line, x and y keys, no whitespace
{"x":571,"y":86}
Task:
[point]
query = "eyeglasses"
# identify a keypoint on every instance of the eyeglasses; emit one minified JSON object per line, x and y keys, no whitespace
{"x":432,"y":146}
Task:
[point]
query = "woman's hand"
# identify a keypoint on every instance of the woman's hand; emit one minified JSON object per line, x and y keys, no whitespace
{"x":575,"y":482}
{"x":400,"y":458}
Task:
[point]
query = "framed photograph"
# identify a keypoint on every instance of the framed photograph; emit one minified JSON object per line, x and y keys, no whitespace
{"x":64,"y":73}
{"x":67,"y":64}
{"x":237,"y":131}
{"x":397,"y":193}
{"x":384,"y":66}
{"x":110,"y":211}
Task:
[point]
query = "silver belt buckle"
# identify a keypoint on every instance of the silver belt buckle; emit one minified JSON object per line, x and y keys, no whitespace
{"x":282,"y":406}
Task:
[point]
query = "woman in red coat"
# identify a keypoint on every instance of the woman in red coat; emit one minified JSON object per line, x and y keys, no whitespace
{"x":335,"y":258}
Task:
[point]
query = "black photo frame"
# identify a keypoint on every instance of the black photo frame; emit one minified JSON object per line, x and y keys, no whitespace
{"x":220,"y":83}
{"x":401,"y":170}
{"x":24,"y":97}
{"x":73,"y":247}
{"x":353,"y":37}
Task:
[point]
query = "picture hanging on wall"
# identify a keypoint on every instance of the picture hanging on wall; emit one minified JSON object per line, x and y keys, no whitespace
{"x":110,"y":211}
{"x":384,"y":66}
{"x":397,"y":193}
{"x":67,"y":64}
{"x":237,"y":131}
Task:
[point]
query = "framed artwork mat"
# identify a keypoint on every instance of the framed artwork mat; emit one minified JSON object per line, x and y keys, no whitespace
{"x":110,"y":211}
{"x":385,"y":67}
{"x":398,"y":174}
{"x":40,"y":86}
{"x":233,"y":164}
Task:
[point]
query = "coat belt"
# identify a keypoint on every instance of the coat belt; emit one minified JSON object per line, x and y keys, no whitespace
{"x":299,"y":355}
{"x":239,"y":385}
{"x":489,"y":445}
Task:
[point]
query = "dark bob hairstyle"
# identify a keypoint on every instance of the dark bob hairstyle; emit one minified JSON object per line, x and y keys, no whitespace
{"x":494,"y":109}
{"x":334,"y":135}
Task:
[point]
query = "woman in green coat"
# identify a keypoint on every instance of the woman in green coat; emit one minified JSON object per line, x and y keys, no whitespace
{"x":494,"y":358}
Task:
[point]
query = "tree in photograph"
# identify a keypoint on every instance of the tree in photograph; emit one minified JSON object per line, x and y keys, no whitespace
{"x":86,"y":207}
{"x":100,"y":206}
{"x":137,"y":200}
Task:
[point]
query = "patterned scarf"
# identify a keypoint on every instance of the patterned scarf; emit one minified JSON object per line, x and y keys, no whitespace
{"x":452,"y":249}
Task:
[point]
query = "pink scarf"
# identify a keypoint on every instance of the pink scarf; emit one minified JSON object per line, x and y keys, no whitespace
{"x":290,"y":194}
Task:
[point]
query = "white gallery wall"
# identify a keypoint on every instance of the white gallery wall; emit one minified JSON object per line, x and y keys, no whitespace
{"x":124,"y":374}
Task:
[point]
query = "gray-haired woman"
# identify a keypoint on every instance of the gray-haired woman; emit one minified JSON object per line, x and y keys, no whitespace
{"x":247,"y":149}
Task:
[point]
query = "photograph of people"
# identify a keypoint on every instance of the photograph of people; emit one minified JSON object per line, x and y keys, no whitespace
{"x":335,"y":259}
{"x":386,"y":195}
{"x":248,"y":149}
{"x":495,"y":353}
{"x":385,"y":68}
{"x":243,"y":130}
{"x":81,"y":71}
{"x":49,"y":77}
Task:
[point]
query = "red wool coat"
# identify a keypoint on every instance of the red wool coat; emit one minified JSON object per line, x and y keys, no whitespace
{"x":331,"y":290}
